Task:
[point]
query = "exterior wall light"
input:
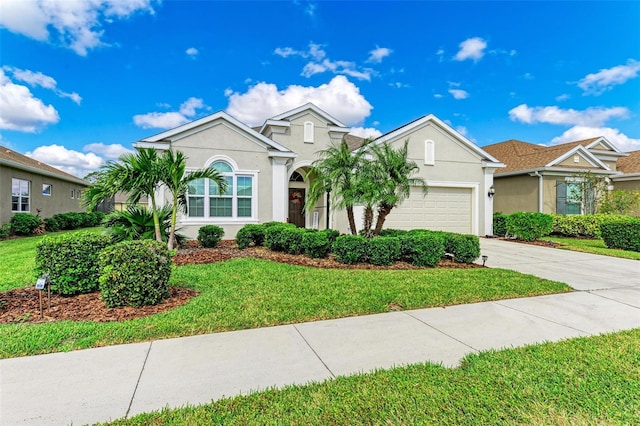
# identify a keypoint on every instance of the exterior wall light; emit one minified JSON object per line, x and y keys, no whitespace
{"x":492,"y":191}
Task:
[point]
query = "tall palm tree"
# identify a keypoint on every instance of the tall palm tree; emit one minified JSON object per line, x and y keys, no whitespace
{"x":137,"y":174}
{"x":334,"y":172}
{"x":176,"y":179}
{"x":394,"y":175}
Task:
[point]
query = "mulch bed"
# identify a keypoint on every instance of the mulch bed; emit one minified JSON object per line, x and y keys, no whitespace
{"x":23,"y":305}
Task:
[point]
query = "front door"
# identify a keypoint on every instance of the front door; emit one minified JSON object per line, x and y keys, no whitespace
{"x":296,"y":207}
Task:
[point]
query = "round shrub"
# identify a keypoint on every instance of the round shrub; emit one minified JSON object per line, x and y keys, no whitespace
{"x":4,"y":231}
{"x":252,"y":233}
{"x":291,"y":239}
{"x":423,"y":248}
{"x":135,"y":273}
{"x":210,"y":235}
{"x":465,"y":248}
{"x":350,"y":249}
{"x":383,"y":250}
{"x":71,"y":260}
{"x":24,"y":223}
{"x":51,"y":224}
{"x":529,"y":226}
{"x":274,"y":235}
{"x":332,"y":234}
{"x":622,"y":233}
{"x":316,"y":244}
{"x":390,"y":232}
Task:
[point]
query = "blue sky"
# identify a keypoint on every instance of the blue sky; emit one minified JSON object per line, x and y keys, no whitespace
{"x":80,"y":81}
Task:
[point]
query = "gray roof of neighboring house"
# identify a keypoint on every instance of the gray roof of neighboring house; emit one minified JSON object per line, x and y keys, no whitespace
{"x":16,"y":160}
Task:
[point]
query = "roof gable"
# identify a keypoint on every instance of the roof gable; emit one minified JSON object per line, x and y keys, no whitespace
{"x":205,"y":123}
{"x":435,"y":121}
{"x":287,"y":116}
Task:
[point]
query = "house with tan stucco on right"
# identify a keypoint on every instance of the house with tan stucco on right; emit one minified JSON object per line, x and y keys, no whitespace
{"x":546,"y":179}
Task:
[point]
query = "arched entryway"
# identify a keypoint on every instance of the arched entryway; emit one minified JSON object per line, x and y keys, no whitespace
{"x":297,"y":192}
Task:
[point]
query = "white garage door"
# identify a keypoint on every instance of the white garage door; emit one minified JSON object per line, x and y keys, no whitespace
{"x":443,"y":209}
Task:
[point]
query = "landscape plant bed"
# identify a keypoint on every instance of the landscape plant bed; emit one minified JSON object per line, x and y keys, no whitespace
{"x":23,"y":306}
{"x":542,"y":243}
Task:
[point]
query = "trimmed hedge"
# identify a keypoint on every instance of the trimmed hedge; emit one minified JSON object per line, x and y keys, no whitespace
{"x":24,"y":223}
{"x":581,"y":225}
{"x":71,"y":262}
{"x":529,"y":226}
{"x":499,"y":224}
{"x":350,"y":249}
{"x":465,"y":248}
{"x":273,"y":235}
{"x":423,"y":248}
{"x":383,"y":250}
{"x":4,"y":231}
{"x":317,"y":244}
{"x":622,"y":233}
{"x":291,"y":239}
{"x":210,"y":235}
{"x":135,"y":273}
{"x":248,"y":234}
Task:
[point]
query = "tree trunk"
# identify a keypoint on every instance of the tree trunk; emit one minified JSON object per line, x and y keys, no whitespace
{"x":156,"y":220}
{"x":383,"y":212}
{"x":352,"y":221}
{"x":171,"y":244}
{"x":368,"y":221}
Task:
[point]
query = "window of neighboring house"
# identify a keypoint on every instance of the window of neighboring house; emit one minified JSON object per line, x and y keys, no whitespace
{"x":46,"y":189}
{"x":235,"y":202}
{"x":73,"y":194}
{"x":569,"y":197}
{"x":20,"y":195}
{"x":308,"y":132}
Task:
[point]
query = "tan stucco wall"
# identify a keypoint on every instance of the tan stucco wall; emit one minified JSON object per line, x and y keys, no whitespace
{"x":582,"y":163}
{"x":628,"y":185}
{"x":515,"y":194}
{"x":60,"y":200}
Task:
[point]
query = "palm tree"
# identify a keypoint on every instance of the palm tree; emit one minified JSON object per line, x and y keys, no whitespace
{"x":176,"y":180}
{"x":137,"y":174}
{"x":393,"y":175}
{"x":334,"y":172}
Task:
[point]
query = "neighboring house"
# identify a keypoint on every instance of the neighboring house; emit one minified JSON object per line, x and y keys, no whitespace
{"x":121,"y":202}
{"x":29,"y":186}
{"x":547,"y":178}
{"x":267,"y":169}
{"x":630,"y":168}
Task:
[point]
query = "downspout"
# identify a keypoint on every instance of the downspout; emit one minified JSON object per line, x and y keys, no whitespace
{"x":540,"y":182}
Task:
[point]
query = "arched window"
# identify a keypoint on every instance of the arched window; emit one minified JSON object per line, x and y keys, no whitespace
{"x":308,"y":132}
{"x":207,"y":201}
{"x":296,"y":177}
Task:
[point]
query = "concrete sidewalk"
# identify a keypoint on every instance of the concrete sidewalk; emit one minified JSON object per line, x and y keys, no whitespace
{"x":108,"y":383}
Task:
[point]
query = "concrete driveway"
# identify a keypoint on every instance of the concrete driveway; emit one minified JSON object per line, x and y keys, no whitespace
{"x":582,"y":271}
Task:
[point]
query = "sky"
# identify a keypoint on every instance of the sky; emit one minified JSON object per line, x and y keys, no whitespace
{"x":82,"y":80}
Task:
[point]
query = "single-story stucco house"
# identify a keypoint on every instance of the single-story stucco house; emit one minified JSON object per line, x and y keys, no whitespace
{"x":30,"y":186}
{"x":544,"y":179}
{"x":267,"y":172}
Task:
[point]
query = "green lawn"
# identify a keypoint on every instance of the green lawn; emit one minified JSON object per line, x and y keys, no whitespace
{"x":584,"y":381}
{"x":248,"y":293}
{"x":593,"y":246}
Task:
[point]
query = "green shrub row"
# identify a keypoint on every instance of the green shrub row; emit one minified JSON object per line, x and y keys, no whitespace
{"x":529,"y":226}
{"x":622,"y":233}
{"x":73,"y":220}
{"x":133,"y":273}
{"x":586,"y":226}
{"x":24,"y":223}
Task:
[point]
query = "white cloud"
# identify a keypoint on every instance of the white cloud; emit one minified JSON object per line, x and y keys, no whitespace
{"x":320,"y":63}
{"x":38,"y":79}
{"x":368,"y":132}
{"x":605,"y":79}
{"x":378,"y":54}
{"x":339,"y":97}
{"x":77,"y":25}
{"x":20,"y":110}
{"x":459,"y":93}
{"x":73,"y":162}
{"x":192,"y":52}
{"x":576,"y":133}
{"x":110,"y":152}
{"x":563,"y":97}
{"x":438,"y":95}
{"x":552,"y":114}
{"x":472,"y":48}
{"x":169,"y":120}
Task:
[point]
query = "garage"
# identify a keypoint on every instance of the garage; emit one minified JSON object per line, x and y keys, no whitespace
{"x":443,"y":209}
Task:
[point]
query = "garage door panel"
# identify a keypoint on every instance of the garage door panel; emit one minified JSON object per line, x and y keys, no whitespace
{"x":444,"y":209}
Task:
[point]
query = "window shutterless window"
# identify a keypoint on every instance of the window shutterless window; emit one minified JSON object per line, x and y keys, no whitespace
{"x":20,"y":195}
{"x":46,"y":189}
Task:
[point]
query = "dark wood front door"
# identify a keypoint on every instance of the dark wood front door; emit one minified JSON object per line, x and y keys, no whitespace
{"x":296,"y":207}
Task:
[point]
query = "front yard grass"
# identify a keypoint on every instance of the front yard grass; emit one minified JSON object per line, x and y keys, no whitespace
{"x":583,"y":381}
{"x":593,"y":246}
{"x":247,"y":293}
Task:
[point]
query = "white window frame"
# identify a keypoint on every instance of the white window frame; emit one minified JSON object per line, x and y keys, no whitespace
{"x":234,"y":218}
{"x":47,"y":189}
{"x":20,"y":196}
